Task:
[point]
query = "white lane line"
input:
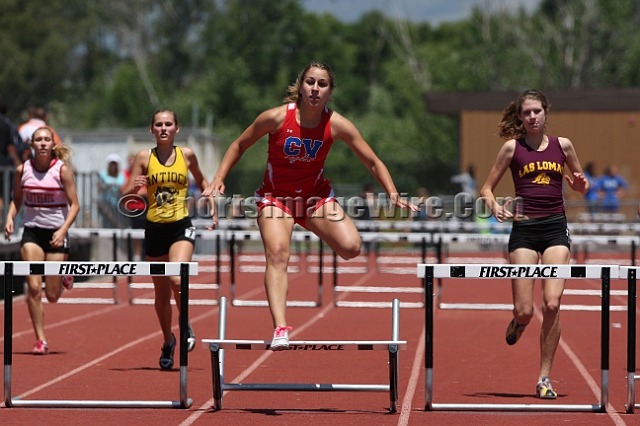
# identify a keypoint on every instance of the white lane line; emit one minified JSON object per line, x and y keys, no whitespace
{"x":611,"y":411}
{"x":413,"y":381}
{"x":207,"y":405}
{"x":106,"y":356}
{"x":70,"y":320}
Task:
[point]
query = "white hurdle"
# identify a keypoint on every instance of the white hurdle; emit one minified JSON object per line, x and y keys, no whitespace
{"x":10,"y":269}
{"x":605,"y":273}
{"x":251,"y":235}
{"x":131,"y":234}
{"x":377,"y":237}
{"x":218,"y":346}
{"x":580,"y":240}
{"x":112,"y":286}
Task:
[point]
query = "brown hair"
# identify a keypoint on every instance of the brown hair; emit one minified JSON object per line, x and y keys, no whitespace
{"x":511,"y":126}
{"x":293,"y":91}
{"x":175,"y":116}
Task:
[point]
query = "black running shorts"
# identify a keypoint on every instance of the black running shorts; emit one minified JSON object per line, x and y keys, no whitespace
{"x":540,"y":233}
{"x":158,"y":237}
{"x":42,"y":237}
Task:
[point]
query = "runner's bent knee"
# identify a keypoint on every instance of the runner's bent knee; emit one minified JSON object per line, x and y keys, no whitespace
{"x":351,"y":249}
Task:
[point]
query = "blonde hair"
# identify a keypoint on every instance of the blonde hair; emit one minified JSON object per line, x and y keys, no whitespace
{"x":511,"y":126}
{"x":61,"y":152}
{"x":293,"y":91}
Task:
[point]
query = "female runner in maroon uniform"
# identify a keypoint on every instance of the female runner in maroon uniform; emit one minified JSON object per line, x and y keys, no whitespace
{"x":539,"y":224}
{"x":294,"y":189}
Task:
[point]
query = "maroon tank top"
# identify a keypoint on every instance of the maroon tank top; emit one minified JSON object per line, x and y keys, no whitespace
{"x":537,"y":177}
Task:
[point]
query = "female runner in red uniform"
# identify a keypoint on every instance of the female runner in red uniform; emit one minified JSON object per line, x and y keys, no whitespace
{"x":294,"y":189}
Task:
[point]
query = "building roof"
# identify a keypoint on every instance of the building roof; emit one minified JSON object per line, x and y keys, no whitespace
{"x":560,"y":100}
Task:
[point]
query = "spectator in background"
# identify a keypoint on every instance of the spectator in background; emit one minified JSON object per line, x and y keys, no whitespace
{"x":467,"y":181}
{"x":110,"y":183}
{"x":137,"y":207}
{"x":611,"y":188}
{"x":469,"y":185}
{"x":9,"y":159}
{"x":37,"y":118}
{"x":368,"y":211}
{"x":591,"y":197}
{"x":422,"y":215}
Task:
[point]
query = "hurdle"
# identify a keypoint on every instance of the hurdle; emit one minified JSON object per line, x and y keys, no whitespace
{"x":10,"y":269}
{"x":631,"y":274}
{"x":396,"y":237}
{"x":504,"y":239}
{"x":113,"y":285}
{"x":218,"y":346}
{"x":130,"y":234}
{"x":233,"y":236}
{"x":604,"y":273}
{"x":586,"y":240}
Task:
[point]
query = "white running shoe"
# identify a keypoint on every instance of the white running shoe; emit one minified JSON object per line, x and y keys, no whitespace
{"x":191,"y":340}
{"x":280,"y":340}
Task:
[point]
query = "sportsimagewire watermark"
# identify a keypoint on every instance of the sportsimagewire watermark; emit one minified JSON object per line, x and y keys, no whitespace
{"x":463,"y":206}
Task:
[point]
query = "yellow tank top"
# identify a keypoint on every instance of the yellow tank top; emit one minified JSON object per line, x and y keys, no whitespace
{"x":167,"y":189}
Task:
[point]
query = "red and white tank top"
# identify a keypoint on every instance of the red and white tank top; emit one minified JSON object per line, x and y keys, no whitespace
{"x":46,"y":204}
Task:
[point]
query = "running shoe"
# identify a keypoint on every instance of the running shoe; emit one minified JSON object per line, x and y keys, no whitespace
{"x":514,"y":331}
{"x":544,"y":389}
{"x":191,"y":340}
{"x":166,"y":358}
{"x":40,"y":348}
{"x":67,"y":282}
{"x":280,"y":340}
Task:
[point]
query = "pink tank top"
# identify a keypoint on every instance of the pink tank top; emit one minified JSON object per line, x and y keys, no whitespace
{"x":46,"y":204}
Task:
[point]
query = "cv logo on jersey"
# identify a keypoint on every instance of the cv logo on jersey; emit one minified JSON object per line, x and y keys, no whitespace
{"x":301,"y":150}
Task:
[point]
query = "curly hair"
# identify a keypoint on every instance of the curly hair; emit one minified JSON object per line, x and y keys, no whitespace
{"x":511,"y":126}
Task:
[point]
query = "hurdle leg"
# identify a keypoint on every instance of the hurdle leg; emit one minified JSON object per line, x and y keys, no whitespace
{"x":393,"y":357}
{"x":7,"y":279}
{"x":428,"y":354}
{"x":605,"y":338}
{"x":185,"y":402}
{"x":631,"y":341}
{"x":217,"y":356}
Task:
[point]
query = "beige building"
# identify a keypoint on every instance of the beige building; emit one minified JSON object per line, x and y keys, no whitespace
{"x":604,"y":126}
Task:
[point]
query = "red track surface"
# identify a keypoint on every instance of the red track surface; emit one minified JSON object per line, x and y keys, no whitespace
{"x":105,"y":352}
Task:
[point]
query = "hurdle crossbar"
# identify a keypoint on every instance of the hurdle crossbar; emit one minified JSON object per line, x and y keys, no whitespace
{"x":297,"y":237}
{"x":631,"y":274}
{"x":603,"y":272}
{"x":131,"y":234}
{"x":218,"y":346}
{"x":375,"y":237}
{"x":87,"y":233}
{"x":504,"y":239}
{"x":10,"y":269}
